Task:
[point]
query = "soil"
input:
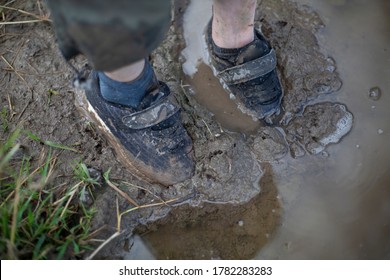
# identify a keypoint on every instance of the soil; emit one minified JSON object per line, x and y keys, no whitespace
{"x":232,"y":189}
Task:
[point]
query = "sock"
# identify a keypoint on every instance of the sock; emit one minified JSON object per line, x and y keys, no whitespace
{"x":226,"y":54}
{"x":128,"y":93}
{"x":231,"y":55}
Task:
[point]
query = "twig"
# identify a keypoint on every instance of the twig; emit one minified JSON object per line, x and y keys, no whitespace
{"x":11,"y":107}
{"x":21,"y":22}
{"x":17,"y":52}
{"x":9,"y":2}
{"x":7,"y":198}
{"x":212,"y":135}
{"x":12,"y":35}
{"x":16,"y":72}
{"x":144,"y":189}
{"x":52,"y":163}
{"x":183,"y":88}
{"x":122,"y":193}
{"x":118,"y":216}
{"x":40,"y":18}
{"x":95,"y":232}
{"x":72,"y":193}
{"x":29,"y":88}
{"x":37,"y":73}
{"x":150,"y":205}
{"x":116,"y":234}
{"x":24,"y":110}
{"x":40,"y":8}
{"x":95,"y":240}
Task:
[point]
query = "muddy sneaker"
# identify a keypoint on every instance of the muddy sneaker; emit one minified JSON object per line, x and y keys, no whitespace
{"x":248,"y":74}
{"x":150,"y":140}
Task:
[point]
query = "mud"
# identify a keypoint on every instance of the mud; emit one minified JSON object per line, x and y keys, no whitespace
{"x":217,"y":231}
{"x":232,"y":190}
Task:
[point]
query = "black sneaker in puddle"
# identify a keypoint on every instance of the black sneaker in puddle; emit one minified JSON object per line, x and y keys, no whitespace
{"x":248,"y":74}
{"x":150,"y":140}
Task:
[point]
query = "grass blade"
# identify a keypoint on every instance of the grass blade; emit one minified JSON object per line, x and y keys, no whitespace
{"x":50,"y":143}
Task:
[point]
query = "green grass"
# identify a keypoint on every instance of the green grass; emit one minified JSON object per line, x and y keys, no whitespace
{"x":4,"y":119}
{"x":49,"y":143}
{"x":38,"y":219}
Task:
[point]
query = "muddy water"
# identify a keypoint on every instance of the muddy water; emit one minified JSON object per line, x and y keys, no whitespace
{"x":336,"y":205}
{"x":212,"y":96}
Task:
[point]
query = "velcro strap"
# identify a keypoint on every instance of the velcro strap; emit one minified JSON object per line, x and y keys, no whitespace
{"x":152,"y":115}
{"x":249,"y":70}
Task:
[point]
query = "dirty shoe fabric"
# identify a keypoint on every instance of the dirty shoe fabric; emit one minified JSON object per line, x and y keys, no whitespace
{"x":249,"y":74}
{"x":149,"y":140}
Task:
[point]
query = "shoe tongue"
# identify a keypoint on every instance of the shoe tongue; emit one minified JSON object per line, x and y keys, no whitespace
{"x":256,"y":49}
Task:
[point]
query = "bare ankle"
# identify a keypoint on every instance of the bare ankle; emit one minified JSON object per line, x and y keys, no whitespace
{"x":127,"y":73}
{"x":233,"y":22}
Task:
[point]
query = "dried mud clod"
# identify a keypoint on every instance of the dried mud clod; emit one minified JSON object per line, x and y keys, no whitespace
{"x":320,"y":125}
{"x":268,"y":144}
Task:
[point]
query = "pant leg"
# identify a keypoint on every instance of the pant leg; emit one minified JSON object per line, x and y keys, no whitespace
{"x":110,"y":33}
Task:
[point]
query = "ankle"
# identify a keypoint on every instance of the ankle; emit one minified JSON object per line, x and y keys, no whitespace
{"x":127,"y":73}
{"x":231,"y":38}
{"x":233,"y":22}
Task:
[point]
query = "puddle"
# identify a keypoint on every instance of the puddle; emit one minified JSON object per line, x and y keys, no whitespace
{"x":212,"y":96}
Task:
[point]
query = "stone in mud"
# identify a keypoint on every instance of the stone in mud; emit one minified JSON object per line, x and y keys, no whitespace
{"x":320,"y":125}
{"x":296,"y":150}
{"x":375,"y":93}
{"x":268,"y":144}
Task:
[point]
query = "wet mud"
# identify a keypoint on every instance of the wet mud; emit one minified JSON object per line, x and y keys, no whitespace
{"x":232,"y":190}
